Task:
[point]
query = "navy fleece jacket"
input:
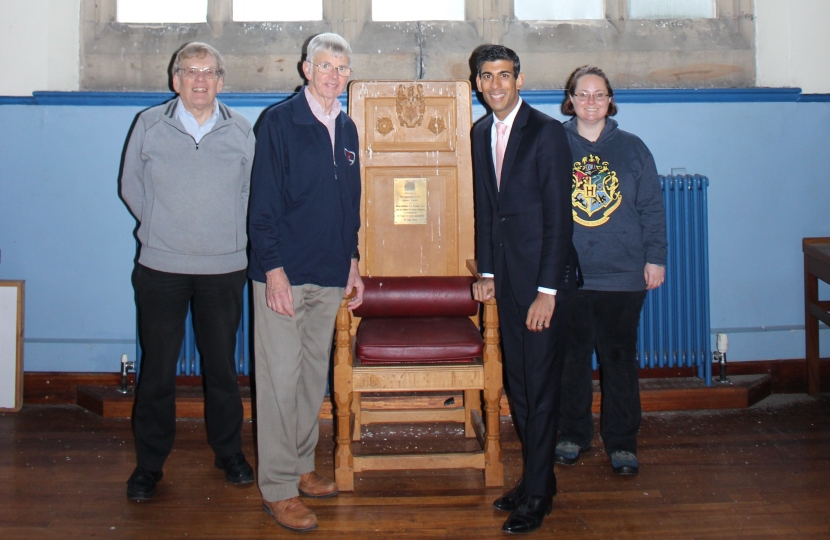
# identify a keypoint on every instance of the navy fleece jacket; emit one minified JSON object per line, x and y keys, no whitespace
{"x":304,"y":213}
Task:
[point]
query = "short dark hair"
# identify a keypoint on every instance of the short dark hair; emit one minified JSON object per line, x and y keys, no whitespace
{"x":567,"y":107}
{"x":494,"y":53}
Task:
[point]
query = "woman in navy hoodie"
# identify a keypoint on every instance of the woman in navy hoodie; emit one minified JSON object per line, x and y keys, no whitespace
{"x":620,"y":236}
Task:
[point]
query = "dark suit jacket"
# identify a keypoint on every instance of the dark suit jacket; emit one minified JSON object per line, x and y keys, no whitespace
{"x":524,"y":230}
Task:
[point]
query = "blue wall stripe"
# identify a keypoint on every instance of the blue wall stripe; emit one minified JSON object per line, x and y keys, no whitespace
{"x":238,"y":99}
{"x":672,"y":95}
{"x":814,"y":98}
{"x":17,"y":100}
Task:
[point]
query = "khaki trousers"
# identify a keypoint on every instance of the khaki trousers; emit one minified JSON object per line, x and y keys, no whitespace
{"x":292,"y":365}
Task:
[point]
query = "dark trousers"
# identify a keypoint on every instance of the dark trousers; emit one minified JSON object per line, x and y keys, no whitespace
{"x":162,"y":300}
{"x":605,"y":321}
{"x":533,"y":368}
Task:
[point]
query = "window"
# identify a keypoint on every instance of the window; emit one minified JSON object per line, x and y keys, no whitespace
{"x":420,"y":10}
{"x":277,"y":10}
{"x":671,"y":9}
{"x":561,"y":10}
{"x":161,"y":11}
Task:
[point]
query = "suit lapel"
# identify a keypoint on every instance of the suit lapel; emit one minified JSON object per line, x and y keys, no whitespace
{"x":486,"y":150}
{"x":513,"y":144}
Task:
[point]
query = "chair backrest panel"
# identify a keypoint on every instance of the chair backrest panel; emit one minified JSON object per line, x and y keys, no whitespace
{"x":446,"y":296}
{"x":416,"y":169}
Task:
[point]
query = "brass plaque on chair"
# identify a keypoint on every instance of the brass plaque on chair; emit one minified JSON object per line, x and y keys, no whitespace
{"x":410,"y":201}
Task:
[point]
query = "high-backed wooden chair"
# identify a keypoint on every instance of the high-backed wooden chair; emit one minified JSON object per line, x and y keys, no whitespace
{"x":417,"y":330}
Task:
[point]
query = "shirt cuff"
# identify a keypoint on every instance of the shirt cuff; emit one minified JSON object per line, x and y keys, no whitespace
{"x":540,"y":289}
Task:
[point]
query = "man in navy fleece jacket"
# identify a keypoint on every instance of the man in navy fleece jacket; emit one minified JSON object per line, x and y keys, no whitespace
{"x":303,"y":222}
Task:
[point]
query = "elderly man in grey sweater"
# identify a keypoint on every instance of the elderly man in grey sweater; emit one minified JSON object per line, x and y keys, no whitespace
{"x":186,"y":179}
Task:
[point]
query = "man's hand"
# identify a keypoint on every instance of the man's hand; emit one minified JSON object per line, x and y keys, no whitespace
{"x":484,"y":289}
{"x":541,"y":312}
{"x":278,"y":293}
{"x":655,"y":275}
{"x":356,"y":282}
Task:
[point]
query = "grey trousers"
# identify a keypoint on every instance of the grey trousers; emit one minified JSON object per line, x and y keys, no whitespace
{"x":292,"y":364}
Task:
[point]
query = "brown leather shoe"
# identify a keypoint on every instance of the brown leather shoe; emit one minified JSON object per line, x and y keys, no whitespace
{"x":292,"y":514}
{"x":317,"y":487}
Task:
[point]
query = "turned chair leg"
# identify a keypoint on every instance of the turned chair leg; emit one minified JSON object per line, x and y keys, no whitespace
{"x":493,"y":384}
{"x":343,"y":456}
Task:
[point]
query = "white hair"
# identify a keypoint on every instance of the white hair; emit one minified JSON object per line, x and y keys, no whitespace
{"x":329,"y":42}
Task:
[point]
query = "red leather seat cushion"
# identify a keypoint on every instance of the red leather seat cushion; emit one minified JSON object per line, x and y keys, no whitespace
{"x":444,"y":296}
{"x":426,"y":340}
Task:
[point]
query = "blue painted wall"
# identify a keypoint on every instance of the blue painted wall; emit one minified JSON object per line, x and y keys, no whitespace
{"x":65,"y":231}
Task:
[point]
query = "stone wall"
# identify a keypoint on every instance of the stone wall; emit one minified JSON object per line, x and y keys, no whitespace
{"x":265,"y":57}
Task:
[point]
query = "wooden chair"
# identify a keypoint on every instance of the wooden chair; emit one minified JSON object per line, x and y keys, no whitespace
{"x":416,"y":238}
{"x":416,"y":334}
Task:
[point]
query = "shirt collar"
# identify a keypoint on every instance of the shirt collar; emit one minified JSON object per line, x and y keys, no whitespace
{"x":182,"y":111}
{"x":317,"y":109}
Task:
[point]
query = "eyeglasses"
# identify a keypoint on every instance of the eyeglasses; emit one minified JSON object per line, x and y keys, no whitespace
{"x":599,"y":97}
{"x":325,"y":68}
{"x":193,"y":72}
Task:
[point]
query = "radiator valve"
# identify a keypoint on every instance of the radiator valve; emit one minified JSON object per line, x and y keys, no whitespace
{"x":126,"y":367}
{"x":719,"y":357}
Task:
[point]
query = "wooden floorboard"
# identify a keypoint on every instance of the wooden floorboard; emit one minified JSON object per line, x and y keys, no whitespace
{"x":760,"y":472}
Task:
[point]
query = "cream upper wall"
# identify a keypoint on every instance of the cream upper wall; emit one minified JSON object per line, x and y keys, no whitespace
{"x":40,"y":43}
{"x":793,"y":44}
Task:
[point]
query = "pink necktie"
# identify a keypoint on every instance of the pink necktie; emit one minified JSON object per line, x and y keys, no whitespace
{"x":501,"y":143}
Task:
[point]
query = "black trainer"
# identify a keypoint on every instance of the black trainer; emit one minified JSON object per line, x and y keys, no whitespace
{"x":567,"y":453}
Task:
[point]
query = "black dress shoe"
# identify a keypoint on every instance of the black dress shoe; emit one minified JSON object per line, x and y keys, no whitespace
{"x":142,"y":484}
{"x":512,"y":499}
{"x":529,"y":515}
{"x":237,"y":470}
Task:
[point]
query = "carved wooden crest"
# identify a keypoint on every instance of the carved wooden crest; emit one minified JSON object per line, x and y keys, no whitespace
{"x":436,"y":125}
{"x":410,"y":105}
{"x":384,"y":125}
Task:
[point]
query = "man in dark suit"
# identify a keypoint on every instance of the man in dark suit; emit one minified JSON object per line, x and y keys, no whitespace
{"x":522,"y":164}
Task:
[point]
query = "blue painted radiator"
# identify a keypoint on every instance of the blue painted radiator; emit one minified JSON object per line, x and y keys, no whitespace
{"x":190,"y":362}
{"x":674,"y":326}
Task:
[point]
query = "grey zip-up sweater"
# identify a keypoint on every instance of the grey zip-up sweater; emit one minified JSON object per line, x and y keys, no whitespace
{"x":190,"y":199}
{"x":619,"y":217}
